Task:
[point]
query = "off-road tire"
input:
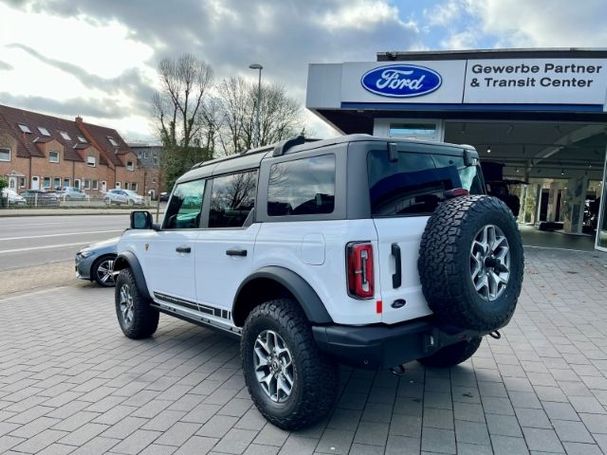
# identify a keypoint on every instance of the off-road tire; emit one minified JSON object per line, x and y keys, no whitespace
{"x":144,"y":317}
{"x":444,"y":263}
{"x":315,"y":375}
{"x":452,"y":355}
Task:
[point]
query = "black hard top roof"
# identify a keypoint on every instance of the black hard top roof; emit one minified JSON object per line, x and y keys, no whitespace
{"x":252,"y":158}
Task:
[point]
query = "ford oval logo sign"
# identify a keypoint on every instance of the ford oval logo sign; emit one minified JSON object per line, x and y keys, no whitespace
{"x":401,"y":81}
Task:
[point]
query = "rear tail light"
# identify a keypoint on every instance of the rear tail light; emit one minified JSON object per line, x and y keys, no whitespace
{"x":359,"y":260}
{"x":456,"y":192}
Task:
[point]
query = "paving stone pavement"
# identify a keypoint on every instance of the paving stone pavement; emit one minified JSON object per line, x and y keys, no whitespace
{"x":70,"y":382}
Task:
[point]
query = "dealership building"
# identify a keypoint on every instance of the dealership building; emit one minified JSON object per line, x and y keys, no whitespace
{"x":541,"y":114}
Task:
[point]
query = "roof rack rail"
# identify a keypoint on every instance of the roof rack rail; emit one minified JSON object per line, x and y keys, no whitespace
{"x":263,"y":148}
{"x":282,"y":147}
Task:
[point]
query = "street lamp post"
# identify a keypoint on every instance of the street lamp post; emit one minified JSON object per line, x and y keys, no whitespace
{"x":257,"y":66}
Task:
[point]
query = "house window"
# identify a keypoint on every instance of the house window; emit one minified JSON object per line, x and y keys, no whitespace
{"x":117,"y":184}
{"x":95,"y":185}
{"x":57,"y":182}
{"x":77,"y":183}
{"x":65,"y":136}
{"x":87,"y":184}
{"x":46,"y":182}
{"x":91,"y":161}
{"x":134,"y":186}
{"x":5,"y":154}
{"x":43,"y":131}
{"x":21,"y":182}
{"x":24,"y":128}
{"x":53,"y":156}
{"x":126,"y":185}
{"x":81,"y":139}
{"x":112,"y":141}
{"x":130,"y":166}
{"x":66,"y":182}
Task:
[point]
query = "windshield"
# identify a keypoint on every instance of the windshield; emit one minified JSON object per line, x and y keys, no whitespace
{"x":416,"y":182}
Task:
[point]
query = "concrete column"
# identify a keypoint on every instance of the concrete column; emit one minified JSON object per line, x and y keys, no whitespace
{"x":573,"y":207}
{"x":552,"y":201}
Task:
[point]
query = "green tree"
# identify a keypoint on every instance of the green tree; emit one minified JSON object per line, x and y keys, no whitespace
{"x":3,"y":184}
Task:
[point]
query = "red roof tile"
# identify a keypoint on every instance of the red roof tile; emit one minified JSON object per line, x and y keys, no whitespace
{"x":11,"y":117}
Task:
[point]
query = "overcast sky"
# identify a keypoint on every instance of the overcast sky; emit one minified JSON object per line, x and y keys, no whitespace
{"x":97,"y":58}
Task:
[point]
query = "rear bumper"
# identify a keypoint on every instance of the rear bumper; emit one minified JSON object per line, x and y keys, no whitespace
{"x":383,"y":346}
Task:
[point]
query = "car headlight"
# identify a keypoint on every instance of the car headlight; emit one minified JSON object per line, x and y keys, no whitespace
{"x":85,"y":253}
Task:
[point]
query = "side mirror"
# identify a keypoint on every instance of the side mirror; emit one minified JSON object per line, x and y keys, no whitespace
{"x":141,"y":219}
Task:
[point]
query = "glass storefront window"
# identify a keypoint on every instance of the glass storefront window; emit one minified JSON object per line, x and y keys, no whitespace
{"x":601,"y":238}
{"x":601,"y":228}
{"x":424,"y":131}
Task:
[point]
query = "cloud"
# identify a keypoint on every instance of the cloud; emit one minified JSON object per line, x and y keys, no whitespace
{"x":554,"y":23}
{"x":130,"y":82}
{"x":518,"y":23}
{"x":68,"y":108}
{"x":231,"y":34}
{"x":5,"y":66}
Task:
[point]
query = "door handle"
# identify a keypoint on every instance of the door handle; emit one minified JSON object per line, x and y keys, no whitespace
{"x":397,"y":275}
{"x":183,"y":249}
{"x":236,"y":252}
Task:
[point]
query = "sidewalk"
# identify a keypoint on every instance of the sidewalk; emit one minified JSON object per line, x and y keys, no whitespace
{"x":74,"y":211}
{"x":70,"y":382}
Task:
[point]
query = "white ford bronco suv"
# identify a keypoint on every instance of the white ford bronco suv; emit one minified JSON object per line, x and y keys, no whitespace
{"x":360,"y":250}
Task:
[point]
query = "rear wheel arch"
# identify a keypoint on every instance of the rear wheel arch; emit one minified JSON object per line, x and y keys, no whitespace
{"x":273,"y":282}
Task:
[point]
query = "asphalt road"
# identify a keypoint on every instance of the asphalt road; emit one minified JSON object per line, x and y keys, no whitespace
{"x":34,"y":241}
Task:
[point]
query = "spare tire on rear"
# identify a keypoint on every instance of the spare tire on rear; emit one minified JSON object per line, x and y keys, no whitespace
{"x":471,"y":263}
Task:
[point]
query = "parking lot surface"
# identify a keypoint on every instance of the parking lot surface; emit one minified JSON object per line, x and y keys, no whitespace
{"x":70,"y":382}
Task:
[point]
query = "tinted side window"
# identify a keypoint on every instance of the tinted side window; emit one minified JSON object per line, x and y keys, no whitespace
{"x":185,"y":206}
{"x":232,"y":199}
{"x":411,"y":185}
{"x":302,"y":187}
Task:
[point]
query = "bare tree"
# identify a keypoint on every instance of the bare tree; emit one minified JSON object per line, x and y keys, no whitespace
{"x":178,"y":110}
{"x":280,"y":116}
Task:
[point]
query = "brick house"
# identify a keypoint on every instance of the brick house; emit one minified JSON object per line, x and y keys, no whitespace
{"x":40,"y":151}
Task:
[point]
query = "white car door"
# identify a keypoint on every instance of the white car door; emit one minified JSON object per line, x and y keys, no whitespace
{"x":170,"y":255}
{"x":225,"y":247}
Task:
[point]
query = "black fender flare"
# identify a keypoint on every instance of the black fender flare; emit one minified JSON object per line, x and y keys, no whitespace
{"x":127,"y":259}
{"x":305,"y":295}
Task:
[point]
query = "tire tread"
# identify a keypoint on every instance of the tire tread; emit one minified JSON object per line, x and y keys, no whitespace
{"x":318,"y":373}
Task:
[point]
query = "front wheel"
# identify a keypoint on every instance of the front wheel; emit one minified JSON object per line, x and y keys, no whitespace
{"x":102,"y":271}
{"x":290,"y":381}
{"x":136,"y":317}
{"x":452,"y":355}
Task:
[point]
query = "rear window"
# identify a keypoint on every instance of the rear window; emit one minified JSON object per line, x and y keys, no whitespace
{"x":415,"y":183}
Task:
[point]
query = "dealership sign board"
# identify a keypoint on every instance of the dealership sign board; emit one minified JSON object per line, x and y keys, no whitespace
{"x":401,"y":81}
{"x":564,"y":81}
{"x":536,"y":81}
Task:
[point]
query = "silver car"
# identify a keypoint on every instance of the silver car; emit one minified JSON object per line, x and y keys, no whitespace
{"x":96,"y":262}
{"x":12,"y":197}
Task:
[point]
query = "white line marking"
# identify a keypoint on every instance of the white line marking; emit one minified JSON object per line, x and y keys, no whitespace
{"x":46,"y":247}
{"x":60,"y":235}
